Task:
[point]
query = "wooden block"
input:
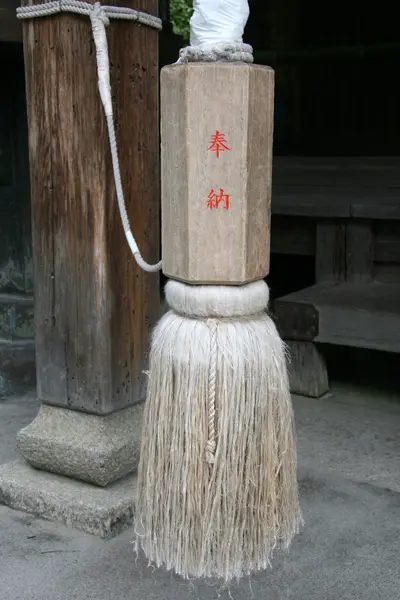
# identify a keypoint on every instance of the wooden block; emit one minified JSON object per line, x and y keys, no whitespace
{"x":216,"y":157}
{"x":307,"y":370}
{"x":349,"y":314}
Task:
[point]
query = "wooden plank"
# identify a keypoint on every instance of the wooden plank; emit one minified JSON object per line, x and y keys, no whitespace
{"x":332,"y":171}
{"x":313,"y":201}
{"x":309,"y":202}
{"x":94,"y":308}
{"x":337,"y":187}
{"x":373,"y":297}
{"x":382,"y":207}
{"x":364,"y":315}
{"x":330,"y":260}
{"x":292,"y":235}
{"x":359,"y":251}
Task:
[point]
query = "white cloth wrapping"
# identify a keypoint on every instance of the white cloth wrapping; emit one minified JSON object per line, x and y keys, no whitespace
{"x":216,"y":21}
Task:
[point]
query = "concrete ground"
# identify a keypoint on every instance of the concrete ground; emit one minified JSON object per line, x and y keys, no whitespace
{"x":349,"y":472}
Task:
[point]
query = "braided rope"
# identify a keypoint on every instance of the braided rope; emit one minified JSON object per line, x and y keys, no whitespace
{"x":85,"y":8}
{"x":230,"y":52}
{"x":212,"y":384}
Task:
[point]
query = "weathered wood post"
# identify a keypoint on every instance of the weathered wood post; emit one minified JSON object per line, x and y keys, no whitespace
{"x":94,"y":307}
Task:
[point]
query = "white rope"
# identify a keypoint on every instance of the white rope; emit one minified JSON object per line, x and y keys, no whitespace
{"x":211,"y":444}
{"x":99,"y":17}
{"x":86,"y":8}
{"x":221,"y":51}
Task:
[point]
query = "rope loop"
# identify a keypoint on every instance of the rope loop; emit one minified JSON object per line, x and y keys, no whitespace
{"x":221,"y":51}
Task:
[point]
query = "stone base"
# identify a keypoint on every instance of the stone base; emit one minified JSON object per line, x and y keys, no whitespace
{"x":104,"y":512}
{"x":91,"y":448}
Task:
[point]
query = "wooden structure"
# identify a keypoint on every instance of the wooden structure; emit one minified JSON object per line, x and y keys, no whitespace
{"x":92,"y":302}
{"x":216,"y":192}
{"x":16,"y":264}
{"x":340,"y":211}
{"x":344,"y":212}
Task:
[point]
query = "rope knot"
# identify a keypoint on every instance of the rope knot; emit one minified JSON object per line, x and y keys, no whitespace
{"x":98,"y":12}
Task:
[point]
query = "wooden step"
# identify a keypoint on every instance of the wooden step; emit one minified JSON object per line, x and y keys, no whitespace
{"x":358,"y":315}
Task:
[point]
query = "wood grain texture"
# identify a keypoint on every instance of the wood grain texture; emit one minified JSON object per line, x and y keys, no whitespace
{"x":216,"y":245}
{"x":358,"y":315}
{"x":94,"y":308}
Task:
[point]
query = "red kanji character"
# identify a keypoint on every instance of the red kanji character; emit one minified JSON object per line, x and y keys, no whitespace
{"x":214,"y":200}
{"x":218,"y":143}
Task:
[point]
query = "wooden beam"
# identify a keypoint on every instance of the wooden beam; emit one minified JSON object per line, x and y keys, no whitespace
{"x":348,"y":314}
{"x":94,"y":308}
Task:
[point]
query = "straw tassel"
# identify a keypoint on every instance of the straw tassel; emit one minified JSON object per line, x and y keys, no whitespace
{"x":217,"y":501}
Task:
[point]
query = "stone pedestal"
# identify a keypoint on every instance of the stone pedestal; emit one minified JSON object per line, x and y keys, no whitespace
{"x":99,"y":450}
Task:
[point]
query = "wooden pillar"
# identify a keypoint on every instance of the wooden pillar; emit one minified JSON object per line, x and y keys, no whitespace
{"x":94,"y":308}
{"x":216,"y":206}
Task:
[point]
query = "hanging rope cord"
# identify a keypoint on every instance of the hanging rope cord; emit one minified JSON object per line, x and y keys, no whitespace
{"x":100,"y":18}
